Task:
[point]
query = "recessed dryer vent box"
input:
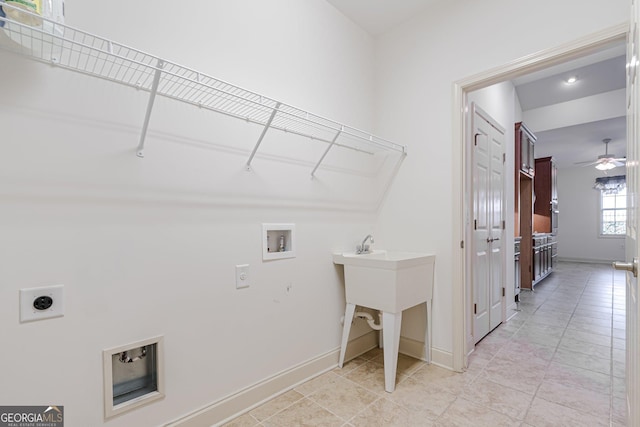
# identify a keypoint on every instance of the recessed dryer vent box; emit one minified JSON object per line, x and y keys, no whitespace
{"x":133,"y":375}
{"x":278,"y":241}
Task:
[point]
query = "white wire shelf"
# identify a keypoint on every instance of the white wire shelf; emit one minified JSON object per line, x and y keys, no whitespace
{"x":79,"y":51}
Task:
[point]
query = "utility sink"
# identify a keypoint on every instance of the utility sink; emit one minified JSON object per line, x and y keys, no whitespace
{"x":390,"y":282}
{"x":383,"y":259}
{"x":387,"y":281}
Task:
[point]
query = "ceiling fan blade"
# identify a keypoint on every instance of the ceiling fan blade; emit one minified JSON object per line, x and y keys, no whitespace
{"x":587,"y":163}
{"x":617,"y":163}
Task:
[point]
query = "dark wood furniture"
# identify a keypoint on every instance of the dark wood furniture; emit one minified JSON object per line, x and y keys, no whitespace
{"x":523,"y":220}
{"x":545,"y":209}
{"x":545,"y":218}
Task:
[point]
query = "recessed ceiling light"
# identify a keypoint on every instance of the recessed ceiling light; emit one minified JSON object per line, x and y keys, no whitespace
{"x":571,"y":80}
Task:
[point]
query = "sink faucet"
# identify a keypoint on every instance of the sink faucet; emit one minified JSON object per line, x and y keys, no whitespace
{"x":364,"y":248}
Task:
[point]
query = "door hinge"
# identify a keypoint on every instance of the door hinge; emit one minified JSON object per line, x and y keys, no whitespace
{"x":475,"y":224}
{"x":475,"y":308}
{"x":504,"y":157}
{"x":504,"y":225}
{"x":461,"y":244}
{"x":503,"y":294}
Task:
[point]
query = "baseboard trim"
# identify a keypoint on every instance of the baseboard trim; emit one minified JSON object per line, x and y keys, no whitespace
{"x":512,"y":311}
{"x":442,"y":358}
{"x":586,"y":260}
{"x":414,"y":348}
{"x":249,"y":398}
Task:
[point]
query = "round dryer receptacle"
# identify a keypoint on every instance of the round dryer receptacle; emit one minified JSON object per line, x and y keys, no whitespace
{"x":43,"y":303}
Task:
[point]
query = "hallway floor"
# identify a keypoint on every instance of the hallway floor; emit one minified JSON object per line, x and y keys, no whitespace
{"x":559,"y":362}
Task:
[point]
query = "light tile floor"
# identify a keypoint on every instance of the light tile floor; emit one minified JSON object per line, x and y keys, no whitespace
{"x":558,"y":362}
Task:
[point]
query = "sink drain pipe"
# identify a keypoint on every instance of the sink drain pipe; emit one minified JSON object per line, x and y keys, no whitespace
{"x":370,"y":320}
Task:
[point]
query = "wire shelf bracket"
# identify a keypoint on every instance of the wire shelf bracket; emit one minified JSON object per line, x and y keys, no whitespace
{"x":264,"y":132}
{"x":75,"y":50}
{"x":333,"y":142}
{"x":147,"y":116}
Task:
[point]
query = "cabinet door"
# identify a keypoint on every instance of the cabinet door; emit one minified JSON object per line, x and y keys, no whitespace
{"x":531,"y":156}
{"x":525,"y":162}
{"x":527,"y":155}
{"x":517,"y":275}
{"x":536,"y":261}
{"x":554,"y":182}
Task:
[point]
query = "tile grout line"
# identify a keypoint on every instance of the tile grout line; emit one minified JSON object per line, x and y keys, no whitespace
{"x":611,"y":351}
{"x":555,"y":351}
{"x":586,"y":283}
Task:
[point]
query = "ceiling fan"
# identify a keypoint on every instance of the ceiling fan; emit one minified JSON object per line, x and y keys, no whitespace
{"x":605,"y":161}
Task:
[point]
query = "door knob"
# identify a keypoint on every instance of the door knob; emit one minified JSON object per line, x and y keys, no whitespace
{"x":627,"y":266}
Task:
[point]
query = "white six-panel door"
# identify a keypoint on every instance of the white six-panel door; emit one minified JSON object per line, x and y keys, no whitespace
{"x":488,"y":139}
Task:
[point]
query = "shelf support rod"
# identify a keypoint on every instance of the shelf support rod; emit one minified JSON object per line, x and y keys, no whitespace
{"x":264,"y":131}
{"x":152,"y":98}
{"x":333,"y":141}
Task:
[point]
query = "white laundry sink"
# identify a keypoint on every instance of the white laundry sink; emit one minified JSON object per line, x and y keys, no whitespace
{"x":387,"y":281}
{"x":390,"y":282}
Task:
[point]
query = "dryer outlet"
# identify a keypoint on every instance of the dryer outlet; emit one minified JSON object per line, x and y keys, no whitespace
{"x":41,"y":303}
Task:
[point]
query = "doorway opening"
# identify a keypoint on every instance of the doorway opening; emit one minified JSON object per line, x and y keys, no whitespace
{"x":461,"y":170}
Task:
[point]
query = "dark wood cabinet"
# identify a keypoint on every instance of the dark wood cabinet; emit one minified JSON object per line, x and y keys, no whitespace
{"x":516,"y":258}
{"x":523,"y":220}
{"x":545,"y":218}
{"x":525,"y":150}
{"x":544,"y":250}
{"x":536,"y":209}
{"x":545,"y":209}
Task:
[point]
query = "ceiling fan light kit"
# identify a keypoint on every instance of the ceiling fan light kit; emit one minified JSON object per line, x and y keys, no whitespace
{"x":605,"y":166}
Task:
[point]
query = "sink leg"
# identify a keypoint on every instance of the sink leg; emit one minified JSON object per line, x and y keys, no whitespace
{"x":349,"y":311}
{"x":391,"y":323}
{"x":380,"y":332}
{"x":427,"y":334}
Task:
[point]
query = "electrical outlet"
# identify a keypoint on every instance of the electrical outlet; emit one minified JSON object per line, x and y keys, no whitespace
{"x":242,"y":276}
{"x":41,"y":303}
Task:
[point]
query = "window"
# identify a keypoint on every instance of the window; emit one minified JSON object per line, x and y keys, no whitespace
{"x":613,"y":213}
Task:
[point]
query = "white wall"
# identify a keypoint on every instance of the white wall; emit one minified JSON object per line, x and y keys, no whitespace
{"x":578,"y":237}
{"x":416,"y":67}
{"x":593,"y":108}
{"x":147,"y":247}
